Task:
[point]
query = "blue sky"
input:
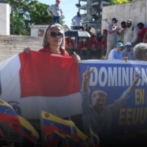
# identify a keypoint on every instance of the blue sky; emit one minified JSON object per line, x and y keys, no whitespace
{"x":68,"y":6}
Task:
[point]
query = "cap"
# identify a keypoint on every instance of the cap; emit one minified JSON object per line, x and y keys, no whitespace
{"x":129,"y":21}
{"x":115,"y":19}
{"x":119,"y":44}
{"x":57,"y":0}
{"x":128,"y":43}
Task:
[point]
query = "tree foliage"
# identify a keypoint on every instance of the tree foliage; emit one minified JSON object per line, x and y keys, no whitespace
{"x":25,"y":13}
{"x":121,"y":1}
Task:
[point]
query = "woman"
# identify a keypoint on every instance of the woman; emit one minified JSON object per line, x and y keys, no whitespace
{"x":141,"y":32}
{"x":92,"y":47}
{"x":82,"y":46}
{"x":54,"y":42}
{"x":102,"y":45}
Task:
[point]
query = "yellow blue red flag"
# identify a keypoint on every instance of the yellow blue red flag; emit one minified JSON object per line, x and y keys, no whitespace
{"x":95,"y":139}
{"x":27,"y":130}
{"x":8,"y":114}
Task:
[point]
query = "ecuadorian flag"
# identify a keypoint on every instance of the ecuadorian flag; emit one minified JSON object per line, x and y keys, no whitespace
{"x":8,"y":114}
{"x":95,"y":139}
{"x":27,"y":130}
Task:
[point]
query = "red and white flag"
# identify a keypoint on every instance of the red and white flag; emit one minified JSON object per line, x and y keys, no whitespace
{"x":39,"y":79}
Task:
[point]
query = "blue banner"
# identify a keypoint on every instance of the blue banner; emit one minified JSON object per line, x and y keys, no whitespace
{"x":114,"y":99}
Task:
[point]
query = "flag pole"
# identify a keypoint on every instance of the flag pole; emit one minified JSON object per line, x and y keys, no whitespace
{"x":71,"y":131}
{"x":9,"y":136}
{"x":91,"y":135}
{"x":61,"y":128}
{"x":20,"y":140}
{"x":42,"y":131}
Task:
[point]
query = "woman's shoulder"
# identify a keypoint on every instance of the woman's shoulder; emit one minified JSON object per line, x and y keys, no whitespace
{"x":64,"y":53}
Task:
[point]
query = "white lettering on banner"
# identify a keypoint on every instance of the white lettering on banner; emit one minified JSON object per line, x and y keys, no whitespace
{"x":144,"y":77}
{"x":138,"y":71}
{"x":131,"y":77}
{"x":104,"y":82}
{"x":117,"y":76}
{"x":125,"y":76}
{"x":112,"y":81}
{"x":93,"y":81}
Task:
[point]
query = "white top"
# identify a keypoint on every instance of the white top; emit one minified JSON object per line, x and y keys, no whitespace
{"x":77,"y":20}
{"x":56,"y":10}
{"x":130,"y":35}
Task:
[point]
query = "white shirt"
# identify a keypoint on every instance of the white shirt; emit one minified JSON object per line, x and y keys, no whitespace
{"x":56,"y":10}
{"x":130,"y":35}
{"x":115,"y":55}
{"x":77,"y":20}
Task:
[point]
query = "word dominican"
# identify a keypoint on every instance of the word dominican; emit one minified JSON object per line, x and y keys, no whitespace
{"x":117,"y":76}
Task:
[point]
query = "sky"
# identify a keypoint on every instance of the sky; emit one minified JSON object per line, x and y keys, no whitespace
{"x":68,"y":6}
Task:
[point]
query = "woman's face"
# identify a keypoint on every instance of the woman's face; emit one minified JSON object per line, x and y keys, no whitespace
{"x":54,"y":39}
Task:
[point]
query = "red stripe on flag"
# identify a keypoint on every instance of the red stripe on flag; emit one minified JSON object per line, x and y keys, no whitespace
{"x":10,"y":119}
{"x":49,"y":129}
{"x":42,"y":74}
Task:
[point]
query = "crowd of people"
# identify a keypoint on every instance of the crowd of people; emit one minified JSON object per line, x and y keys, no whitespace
{"x":112,"y":43}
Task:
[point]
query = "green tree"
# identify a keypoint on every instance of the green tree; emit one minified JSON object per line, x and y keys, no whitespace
{"x":121,"y":1}
{"x":25,"y":13}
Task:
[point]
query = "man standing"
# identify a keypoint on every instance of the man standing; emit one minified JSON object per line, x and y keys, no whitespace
{"x":95,"y":114}
{"x":112,"y":35}
{"x":122,"y":31}
{"x":77,"y":21}
{"x":56,"y":12}
{"x":131,"y":33}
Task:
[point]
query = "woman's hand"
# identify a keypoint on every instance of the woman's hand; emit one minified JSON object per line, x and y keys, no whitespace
{"x":27,"y":50}
{"x":76,"y":57}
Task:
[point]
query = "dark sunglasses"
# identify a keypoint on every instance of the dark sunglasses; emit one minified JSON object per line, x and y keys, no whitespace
{"x":54,"y":34}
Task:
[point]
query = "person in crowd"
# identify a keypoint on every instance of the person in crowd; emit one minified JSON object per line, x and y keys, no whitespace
{"x":131,"y":33}
{"x":116,"y":53}
{"x":98,"y":34}
{"x":92,"y":47}
{"x":140,"y":52}
{"x":82,"y":46}
{"x":88,"y":28}
{"x":69,"y":45}
{"x":56,"y":13}
{"x":77,"y":21}
{"x":105,"y":33}
{"x":54,"y":42}
{"x":93,"y":31}
{"x":145,"y":37}
{"x":141,"y":33}
{"x":112,"y":35}
{"x":81,"y":28}
{"x":102,"y":45}
{"x":122,"y":31}
{"x":128,"y":51}
{"x":94,"y":112}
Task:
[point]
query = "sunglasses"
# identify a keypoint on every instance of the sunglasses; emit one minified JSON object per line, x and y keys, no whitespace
{"x":54,"y":34}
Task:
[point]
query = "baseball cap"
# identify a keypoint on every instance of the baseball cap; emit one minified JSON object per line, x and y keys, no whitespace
{"x":57,"y":0}
{"x":115,"y":19}
{"x":128,"y":43}
{"x":129,"y":21}
{"x":119,"y":44}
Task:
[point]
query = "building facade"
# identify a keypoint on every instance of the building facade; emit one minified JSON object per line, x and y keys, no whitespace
{"x":91,"y":11}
